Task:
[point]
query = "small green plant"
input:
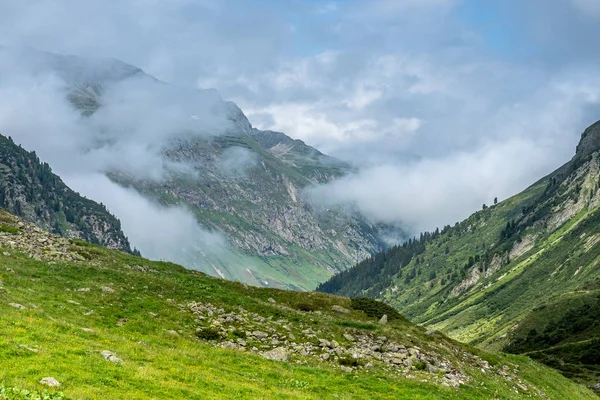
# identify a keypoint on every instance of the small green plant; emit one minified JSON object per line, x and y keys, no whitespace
{"x":9,"y":229}
{"x":20,"y":394}
{"x":208,"y":334}
{"x":306,"y":307}
{"x":420,"y":366}
{"x":365,"y":326}
{"x":349,"y":361}
{"x":298,"y":384}
{"x":238,"y":334}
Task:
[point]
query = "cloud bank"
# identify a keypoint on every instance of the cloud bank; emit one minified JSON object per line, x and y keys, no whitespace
{"x":445,"y":103}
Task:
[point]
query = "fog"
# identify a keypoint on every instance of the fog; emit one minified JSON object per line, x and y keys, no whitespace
{"x":134,"y":120}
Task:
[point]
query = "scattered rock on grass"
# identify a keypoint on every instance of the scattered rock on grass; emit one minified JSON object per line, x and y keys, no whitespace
{"x":50,"y":382}
{"x":17,"y":305}
{"x":111,"y":357}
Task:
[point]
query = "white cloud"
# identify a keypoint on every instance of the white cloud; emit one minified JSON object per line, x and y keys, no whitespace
{"x":588,"y":7}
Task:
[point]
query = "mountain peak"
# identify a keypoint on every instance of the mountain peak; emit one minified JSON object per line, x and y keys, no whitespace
{"x":590,"y":141}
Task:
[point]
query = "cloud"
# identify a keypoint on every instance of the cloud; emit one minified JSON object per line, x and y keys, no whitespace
{"x":409,"y":89}
{"x":138,"y":119}
{"x":236,"y":161}
{"x":160,"y":233}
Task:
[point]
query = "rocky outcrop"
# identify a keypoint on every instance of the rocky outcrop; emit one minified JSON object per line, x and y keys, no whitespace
{"x":286,"y":341}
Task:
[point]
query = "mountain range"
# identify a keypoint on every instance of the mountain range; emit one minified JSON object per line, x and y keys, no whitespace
{"x":243,"y":184}
{"x":522,"y":275}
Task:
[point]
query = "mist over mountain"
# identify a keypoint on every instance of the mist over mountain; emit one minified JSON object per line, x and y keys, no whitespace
{"x":190,"y":178}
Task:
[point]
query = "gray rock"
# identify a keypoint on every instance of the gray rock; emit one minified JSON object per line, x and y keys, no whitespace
{"x":383,"y":320}
{"x":349,"y":337}
{"x":109,"y":356}
{"x":107,"y":289}
{"x":340,"y":309}
{"x":272,"y":300}
{"x":17,"y":305}
{"x":50,"y":382}
{"x":172,"y":333}
{"x":277,"y":354}
{"x":260,"y":335}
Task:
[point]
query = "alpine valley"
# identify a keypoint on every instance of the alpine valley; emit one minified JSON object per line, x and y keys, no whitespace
{"x":470,"y":311}
{"x":522,"y":275}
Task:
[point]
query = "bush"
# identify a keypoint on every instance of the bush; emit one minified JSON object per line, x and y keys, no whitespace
{"x":306,"y":307}
{"x":374,"y":308}
{"x":420,"y":366}
{"x":348,"y":361}
{"x":238,"y":334}
{"x":208,"y":334}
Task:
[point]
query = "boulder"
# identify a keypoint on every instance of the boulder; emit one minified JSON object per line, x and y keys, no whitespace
{"x":50,"y":382}
{"x":109,"y":356}
{"x":277,"y":354}
{"x":383,"y":320}
{"x":340,"y":309}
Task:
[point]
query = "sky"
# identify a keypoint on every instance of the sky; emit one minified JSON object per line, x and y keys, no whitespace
{"x":442,"y":105}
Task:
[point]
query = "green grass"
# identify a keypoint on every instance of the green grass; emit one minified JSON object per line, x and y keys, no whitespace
{"x":47,"y":339}
{"x":9,"y":229}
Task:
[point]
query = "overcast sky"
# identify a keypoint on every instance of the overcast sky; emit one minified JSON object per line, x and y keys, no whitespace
{"x":444,"y":104}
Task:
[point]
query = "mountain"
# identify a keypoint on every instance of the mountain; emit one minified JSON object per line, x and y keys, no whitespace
{"x":29,"y":189}
{"x":106,"y":324}
{"x":241,"y":183}
{"x":522,"y":275}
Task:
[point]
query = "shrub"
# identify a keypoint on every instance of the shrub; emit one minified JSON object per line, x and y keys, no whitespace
{"x":208,"y":334}
{"x":238,"y":334}
{"x":306,"y":307}
{"x":420,"y":366}
{"x":375,"y":309}
{"x":349,"y":361}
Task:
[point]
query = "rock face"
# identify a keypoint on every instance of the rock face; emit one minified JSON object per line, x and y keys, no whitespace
{"x":29,"y":190}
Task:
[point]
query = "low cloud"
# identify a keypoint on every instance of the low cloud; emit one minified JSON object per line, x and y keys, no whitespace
{"x":130,"y":123}
{"x":160,"y":233}
{"x":237,"y":161}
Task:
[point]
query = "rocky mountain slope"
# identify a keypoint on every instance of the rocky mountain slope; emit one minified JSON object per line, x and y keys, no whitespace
{"x":29,"y":189}
{"x":246,"y":184}
{"x":96,"y":323}
{"x":492,"y":279}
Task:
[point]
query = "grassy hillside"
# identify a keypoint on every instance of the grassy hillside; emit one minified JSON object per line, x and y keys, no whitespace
{"x":175,"y":333}
{"x":479,"y":280}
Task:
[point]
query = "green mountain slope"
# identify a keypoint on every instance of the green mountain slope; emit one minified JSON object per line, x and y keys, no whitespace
{"x":29,"y":189}
{"x":480,"y":280}
{"x":105,"y":324}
